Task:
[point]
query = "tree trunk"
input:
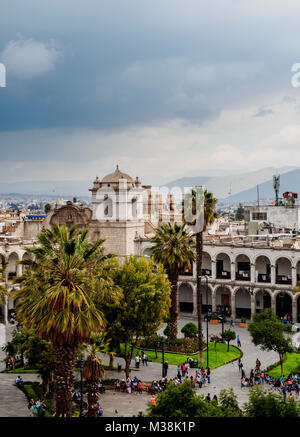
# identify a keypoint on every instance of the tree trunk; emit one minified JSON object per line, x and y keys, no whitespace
{"x":281,"y":363}
{"x":199,"y":249}
{"x":92,"y":387}
{"x":111,"y":361}
{"x":64,"y":364}
{"x":173,"y":310}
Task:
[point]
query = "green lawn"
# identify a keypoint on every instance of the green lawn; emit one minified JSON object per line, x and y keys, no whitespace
{"x":290,"y":365}
{"x":215,"y":359}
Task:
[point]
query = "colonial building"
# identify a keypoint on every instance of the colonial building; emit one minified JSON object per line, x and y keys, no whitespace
{"x":244,"y":273}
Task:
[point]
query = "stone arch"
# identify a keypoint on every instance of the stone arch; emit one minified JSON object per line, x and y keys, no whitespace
{"x":206,"y":306}
{"x":223,"y":265}
{"x":297,"y":298}
{"x":283,"y":303}
{"x":283,"y":266}
{"x":242,"y":298}
{"x":186,"y":301}
{"x":223,"y":296}
{"x":297,"y":264}
{"x":263,"y":299}
{"x":26,"y":255}
{"x":262,"y":269}
{"x":147,"y":253}
{"x":243,"y":267}
{"x":206,"y":264}
{"x":12,"y":266}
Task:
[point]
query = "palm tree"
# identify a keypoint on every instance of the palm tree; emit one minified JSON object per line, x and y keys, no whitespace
{"x":57,"y":300}
{"x":93,"y":369}
{"x":174,"y":249}
{"x":206,"y":216}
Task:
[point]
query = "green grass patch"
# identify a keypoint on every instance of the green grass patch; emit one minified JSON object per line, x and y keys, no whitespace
{"x":215,"y":359}
{"x":20,"y":370}
{"x":291,"y":365}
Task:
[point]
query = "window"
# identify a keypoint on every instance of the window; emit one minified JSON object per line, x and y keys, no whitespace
{"x":259,"y":216}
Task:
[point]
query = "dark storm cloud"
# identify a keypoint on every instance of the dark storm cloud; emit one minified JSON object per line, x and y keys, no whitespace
{"x":140,"y":62}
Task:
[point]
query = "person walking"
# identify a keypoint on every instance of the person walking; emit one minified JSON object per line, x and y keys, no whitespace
{"x":238,"y":339}
{"x":30,"y":407}
{"x":153,"y":401}
{"x":166,"y":366}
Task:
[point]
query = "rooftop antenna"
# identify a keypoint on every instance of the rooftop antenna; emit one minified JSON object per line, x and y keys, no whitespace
{"x":276,"y":186}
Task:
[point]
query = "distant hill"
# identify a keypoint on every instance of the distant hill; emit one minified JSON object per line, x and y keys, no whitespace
{"x":220,"y":186}
{"x":288,"y":182}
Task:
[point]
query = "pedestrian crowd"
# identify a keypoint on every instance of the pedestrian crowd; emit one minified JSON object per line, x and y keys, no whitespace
{"x":36,"y":408}
{"x":258,"y":377}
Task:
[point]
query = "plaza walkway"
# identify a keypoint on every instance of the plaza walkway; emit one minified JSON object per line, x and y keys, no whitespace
{"x":14,"y":403}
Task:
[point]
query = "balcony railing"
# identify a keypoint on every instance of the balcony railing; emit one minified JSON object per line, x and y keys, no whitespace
{"x":283,"y":279}
{"x":242,"y":276}
{"x":263,"y":277}
{"x":224,"y":275}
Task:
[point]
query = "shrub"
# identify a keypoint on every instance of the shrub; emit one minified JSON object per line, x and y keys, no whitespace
{"x":190,"y":330}
{"x":243,"y":320}
{"x":214,"y":317}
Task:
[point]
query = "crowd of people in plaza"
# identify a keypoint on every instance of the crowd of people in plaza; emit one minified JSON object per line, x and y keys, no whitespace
{"x":36,"y":408}
{"x":258,"y":377}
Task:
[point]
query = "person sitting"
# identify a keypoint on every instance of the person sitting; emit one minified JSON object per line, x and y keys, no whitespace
{"x":19,"y":380}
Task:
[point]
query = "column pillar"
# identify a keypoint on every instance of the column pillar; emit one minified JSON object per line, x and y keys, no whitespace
{"x":214,"y":301}
{"x":213,"y":269}
{"x":294,"y":276}
{"x":273,"y":275}
{"x":253,"y":306}
{"x":19,"y":269}
{"x":294,"y":310}
{"x":273,"y":302}
{"x":252,"y":273}
{"x":232,"y":302}
{"x":232,"y":271}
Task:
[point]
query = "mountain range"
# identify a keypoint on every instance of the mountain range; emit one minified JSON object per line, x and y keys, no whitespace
{"x":232,"y":188}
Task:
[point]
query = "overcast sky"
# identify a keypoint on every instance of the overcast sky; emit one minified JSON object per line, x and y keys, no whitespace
{"x":163,"y":88}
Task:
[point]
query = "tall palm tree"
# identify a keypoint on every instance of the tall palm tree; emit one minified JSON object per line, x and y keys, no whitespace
{"x":206,"y":216}
{"x":57,"y":300}
{"x":174,"y":248}
{"x":93,"y":369}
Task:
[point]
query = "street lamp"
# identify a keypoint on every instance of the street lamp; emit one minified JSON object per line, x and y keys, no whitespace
{"x":81,"y":364}
{"x":206,"y":279}
{"x":162,"y":344}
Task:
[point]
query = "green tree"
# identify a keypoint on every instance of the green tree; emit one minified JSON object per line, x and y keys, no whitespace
{"x":189,"y":330}
{"x":265,"y":404}
{"x":205,"y":215}
{"x":228,"y":336}
{"x":143,"y":304}
{"x":182,"y":401}
{"x":47,"y":208}
{"x":240,"y":212}
{"x":174,"y":249}
{"x":56,"y":300}
{"x":268,"y":332}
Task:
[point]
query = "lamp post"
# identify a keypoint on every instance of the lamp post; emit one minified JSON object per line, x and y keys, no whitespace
{"x":206,"y":279}
{"x":162,"y":345}
{"x":81,"y":364}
